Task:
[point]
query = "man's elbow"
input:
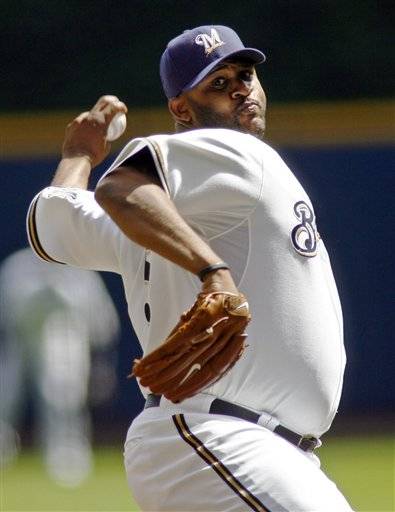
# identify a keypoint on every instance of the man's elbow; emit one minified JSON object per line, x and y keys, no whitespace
{"x":105,"y":193}
{"x":111,"y":192}
{"x":119,"y":187}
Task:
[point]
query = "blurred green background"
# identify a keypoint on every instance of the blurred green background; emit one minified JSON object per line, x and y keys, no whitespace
{"x":361,"y":467}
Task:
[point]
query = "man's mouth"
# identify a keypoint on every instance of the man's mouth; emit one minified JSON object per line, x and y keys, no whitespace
{"x":249,"y":107}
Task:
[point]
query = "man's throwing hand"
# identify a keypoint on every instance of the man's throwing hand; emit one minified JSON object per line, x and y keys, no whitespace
{"x":202,"y":347}
{"x":86,"y":134}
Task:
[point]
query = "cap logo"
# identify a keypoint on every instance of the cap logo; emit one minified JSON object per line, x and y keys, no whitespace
{"x":210,"y":42}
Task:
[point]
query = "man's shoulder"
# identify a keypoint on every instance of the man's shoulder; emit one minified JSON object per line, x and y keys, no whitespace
{"x":233,"y":140}
{"x":222,"y":134}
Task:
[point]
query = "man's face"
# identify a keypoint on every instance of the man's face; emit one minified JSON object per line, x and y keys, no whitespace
{"x":229,"y":97}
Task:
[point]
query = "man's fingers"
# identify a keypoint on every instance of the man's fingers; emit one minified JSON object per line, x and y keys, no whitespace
{"x":82,"y":116}
{"x":103,"y":101}
{"x":109,"y":106}
{"x":93,"y":120}
{"x":78,"y":119}
{"x":101,"y":113}
{"x":112,"y":109}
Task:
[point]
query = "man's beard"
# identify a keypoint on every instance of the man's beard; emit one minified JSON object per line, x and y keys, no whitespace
{"x":206,"y":117}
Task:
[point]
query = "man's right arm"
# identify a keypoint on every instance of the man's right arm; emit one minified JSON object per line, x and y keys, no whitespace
{"x":65,"y":224}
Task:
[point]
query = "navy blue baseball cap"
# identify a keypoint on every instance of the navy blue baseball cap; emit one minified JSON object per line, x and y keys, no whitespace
{"x":192,"y":55}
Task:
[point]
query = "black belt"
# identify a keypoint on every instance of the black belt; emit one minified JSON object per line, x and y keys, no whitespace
{"x":218,"y":406}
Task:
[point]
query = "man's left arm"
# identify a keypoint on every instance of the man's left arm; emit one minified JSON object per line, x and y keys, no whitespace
{"x":137,"y":203}
{"x":211,"y":336}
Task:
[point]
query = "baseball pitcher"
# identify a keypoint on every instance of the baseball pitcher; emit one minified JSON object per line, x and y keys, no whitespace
{"x":228,"y":283}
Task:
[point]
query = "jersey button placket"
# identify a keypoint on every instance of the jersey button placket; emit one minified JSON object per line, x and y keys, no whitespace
{"x":147,"y":272}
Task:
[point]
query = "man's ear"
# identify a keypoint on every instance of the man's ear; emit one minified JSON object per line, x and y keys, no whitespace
{"x":180,"y":111}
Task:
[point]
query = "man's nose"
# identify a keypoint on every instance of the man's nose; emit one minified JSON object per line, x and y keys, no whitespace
{"x":241,"y":89}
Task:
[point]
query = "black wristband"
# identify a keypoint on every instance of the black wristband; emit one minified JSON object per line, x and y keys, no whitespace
{"x":206,"y":270}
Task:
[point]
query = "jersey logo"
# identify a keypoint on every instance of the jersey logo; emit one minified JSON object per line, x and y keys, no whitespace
{"x":210,"y":42}
{"x":304,"y":236}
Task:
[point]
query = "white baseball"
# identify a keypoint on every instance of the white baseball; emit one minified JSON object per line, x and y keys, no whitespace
{"x":116,"y":127}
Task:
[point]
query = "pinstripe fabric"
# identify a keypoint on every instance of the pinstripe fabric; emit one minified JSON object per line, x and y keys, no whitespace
{"x":222,"y":471}
{"x":33,"y":235}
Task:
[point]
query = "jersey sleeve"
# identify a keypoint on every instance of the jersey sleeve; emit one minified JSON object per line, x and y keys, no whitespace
{"x":134,"y":149}
{"x":214,"y":176}
{"x":66,"y":225}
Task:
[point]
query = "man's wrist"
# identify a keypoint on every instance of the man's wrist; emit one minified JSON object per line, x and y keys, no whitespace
{"x":77,"y":156}
{"x":73,"y":171}
{"x":203,"y":273}
{"x":219,"y":281}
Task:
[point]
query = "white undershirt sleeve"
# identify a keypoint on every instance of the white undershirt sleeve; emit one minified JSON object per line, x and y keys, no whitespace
{"x":66,"y":225}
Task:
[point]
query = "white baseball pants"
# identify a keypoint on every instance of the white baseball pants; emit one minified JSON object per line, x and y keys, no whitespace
{"x":180,"y":460}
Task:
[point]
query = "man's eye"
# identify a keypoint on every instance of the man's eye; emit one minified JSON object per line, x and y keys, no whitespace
{"x":246,"y":75}
{"x":219,"y":83}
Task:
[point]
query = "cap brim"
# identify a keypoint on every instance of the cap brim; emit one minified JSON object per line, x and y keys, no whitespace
{"x":256,"y":56}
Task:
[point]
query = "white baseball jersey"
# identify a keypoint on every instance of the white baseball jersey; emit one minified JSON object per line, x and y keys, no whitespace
{"x":240,"y":197}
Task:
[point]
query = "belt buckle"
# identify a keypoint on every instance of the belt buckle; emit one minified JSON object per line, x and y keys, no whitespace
{"x":308,"y":443}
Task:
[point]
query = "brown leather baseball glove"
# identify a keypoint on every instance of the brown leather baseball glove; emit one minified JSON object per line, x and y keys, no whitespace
{"x":202,"y":347}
